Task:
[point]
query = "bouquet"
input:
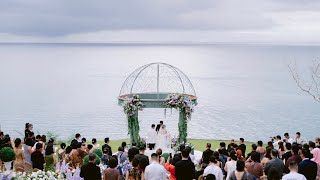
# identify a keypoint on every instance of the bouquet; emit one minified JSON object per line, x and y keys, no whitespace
{"x":7,"y":154}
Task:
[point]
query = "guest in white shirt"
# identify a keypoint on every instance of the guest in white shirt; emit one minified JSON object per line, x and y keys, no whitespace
{"x":287,"y":138}
{"x":293,"y":173}
{"x":152,"y":137}
{"x":298,"y":139}
{"x":276,"y":142}
{"x":155,"y":171}
{"x":213,"y":168}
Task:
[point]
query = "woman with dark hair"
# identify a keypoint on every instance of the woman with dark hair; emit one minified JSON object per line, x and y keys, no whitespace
{"x":281,"y":149}
{"x":253,"y":165}
{"x":49,"y":158}
{"x":112,"y":172}
{"x":240,"y":173}
{"x":171,"y":167}
{"x":94,"y":144}
{"x":161,"y":159}
{"x":230,"y":166}
{"x":62,"y":151}
{"x":267,"y":157}
{"x":28,"y":130}
{"x":19,"y":161}
{"x":135,"y":173}
{"x":27,"y":149}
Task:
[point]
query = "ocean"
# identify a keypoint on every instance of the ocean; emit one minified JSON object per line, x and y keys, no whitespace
{"x":243,"y":90}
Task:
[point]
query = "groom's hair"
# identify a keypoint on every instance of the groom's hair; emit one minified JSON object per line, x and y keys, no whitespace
{"x":153,"y":125}
{"x":161,"y":122}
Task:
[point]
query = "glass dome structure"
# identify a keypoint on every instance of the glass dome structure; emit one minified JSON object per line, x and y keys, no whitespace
{"x":153,"y":82}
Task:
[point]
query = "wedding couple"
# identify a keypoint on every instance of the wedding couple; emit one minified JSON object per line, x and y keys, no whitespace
{"x":158,"y":137}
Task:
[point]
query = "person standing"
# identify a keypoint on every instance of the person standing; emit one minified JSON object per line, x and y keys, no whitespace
{"x":298,"y":139}
{"x":152,"y":137}
{"x":274,"y":163}
{"x":106,"y":145}
{"x":293,"y":173}
{"x":307,"y":167}
{"x":77,"y":139}
{"x":159,"y":126}
{"x":143,"y":159}
{"x":213,"y":168}
{"x":90,"y":171}
{"x":242,"y":147}
{"x":185,"y":169}
{"x":207,"y":154}
{"x":287,"y":138}
{"x":295,"y":157}
{"x":155,"y":171}
{"x":37,"y":158}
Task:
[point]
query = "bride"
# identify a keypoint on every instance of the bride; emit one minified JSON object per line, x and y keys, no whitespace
{"x":164,"y":139}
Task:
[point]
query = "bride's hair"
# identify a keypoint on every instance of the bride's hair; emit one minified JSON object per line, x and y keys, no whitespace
{"x":163,"y":126}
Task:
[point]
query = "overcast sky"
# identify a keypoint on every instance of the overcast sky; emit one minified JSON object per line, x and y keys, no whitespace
{"x":226,"y":21}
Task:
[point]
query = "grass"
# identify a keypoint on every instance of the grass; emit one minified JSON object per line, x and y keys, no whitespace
{"x":199,"y":144}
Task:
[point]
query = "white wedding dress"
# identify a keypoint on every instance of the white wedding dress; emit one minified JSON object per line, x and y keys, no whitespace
{"x":163,"y":140}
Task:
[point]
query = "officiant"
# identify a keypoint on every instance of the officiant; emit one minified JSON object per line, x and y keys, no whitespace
{"x":152,"y":137}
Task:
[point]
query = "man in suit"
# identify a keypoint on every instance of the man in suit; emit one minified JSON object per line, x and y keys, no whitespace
{"x":185,"y":169}
{"x":37,"y":158}
{"x":274,"y":163}
{"x":242,"y":147}
{"x":90,"y":171}
{"x":76,"y":139}
{"x":159,"y":126}
{"x":134,"y":150}
{"x":106,"y":145}
{"x":207,"y":154}
{"x":288,"y":153}
{"x":307,"y":167}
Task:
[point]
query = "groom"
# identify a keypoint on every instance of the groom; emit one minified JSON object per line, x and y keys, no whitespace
{"x":159,"y":126}
{"x":152,"y":137}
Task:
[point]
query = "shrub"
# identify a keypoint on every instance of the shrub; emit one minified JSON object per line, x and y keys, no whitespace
{"x":7,"y":154}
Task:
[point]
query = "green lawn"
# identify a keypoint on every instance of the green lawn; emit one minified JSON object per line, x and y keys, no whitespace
{"x":199,"y":144}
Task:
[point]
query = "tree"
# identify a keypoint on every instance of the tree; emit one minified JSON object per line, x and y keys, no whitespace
{"x":310,"y":86}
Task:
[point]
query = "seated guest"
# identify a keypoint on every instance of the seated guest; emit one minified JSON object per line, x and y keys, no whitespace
{"x":112,"y":173}
{"x":133,"y":151}
{"x":19,"y":161}
{"x":50,"y":158}
{"x":293,"y":173}
{"x":288,"y":153}
{"x":307,"y":167}
{"x":37,"y":158}
{"x":135,"y":173}
{"x":253,"y":165}
{"x":276,"y":163}
{"x":185,"y":169}
{"x":295,"y":157}
{"x":214,"y":169}
{"x":106,"y":145}
{"x":260,"y":149}
{"x":91,"y":171}
{"x":207,"y":154}
{"x":240,"y":173}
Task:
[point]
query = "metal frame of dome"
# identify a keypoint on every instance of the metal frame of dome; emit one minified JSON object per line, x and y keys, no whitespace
{"x":156,"y":99}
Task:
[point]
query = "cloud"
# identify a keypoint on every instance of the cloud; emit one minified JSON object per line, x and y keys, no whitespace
{"x":44,"y":20}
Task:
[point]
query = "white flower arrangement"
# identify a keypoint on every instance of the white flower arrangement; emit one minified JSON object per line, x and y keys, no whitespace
{"x":132,"y":105}
{"x":181,"y":102}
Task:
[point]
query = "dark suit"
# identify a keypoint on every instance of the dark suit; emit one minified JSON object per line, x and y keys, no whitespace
{"x":140,"y":156}
{"x":286,"y":156}
{"x":185,"y":170}
{"x":107,"y":146}
{"x":274,"y":163}
{"x":206,"y":155}
{"x":90,"y":171}
{"x":243,"y":148}
{"x":132,"y":152}
{"x":308,"y":168}
{"x":158,"y":127}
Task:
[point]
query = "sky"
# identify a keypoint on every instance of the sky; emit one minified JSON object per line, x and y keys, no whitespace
{"x":161,"y":21}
